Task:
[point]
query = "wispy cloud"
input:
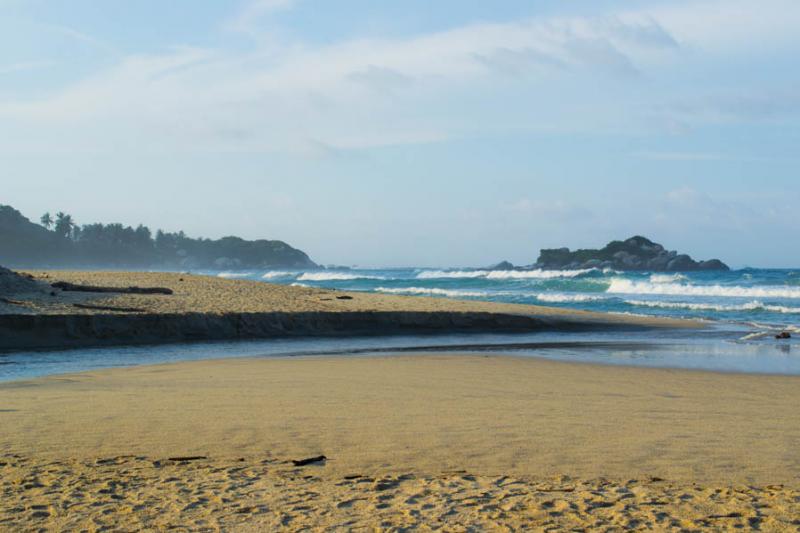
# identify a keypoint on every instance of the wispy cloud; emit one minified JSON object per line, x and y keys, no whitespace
{"x":578,"y":73}
{"x":253,"y":12}
{"x":82,"y":37}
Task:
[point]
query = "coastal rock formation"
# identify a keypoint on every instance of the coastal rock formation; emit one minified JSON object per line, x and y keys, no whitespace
{"x":636,"y":253}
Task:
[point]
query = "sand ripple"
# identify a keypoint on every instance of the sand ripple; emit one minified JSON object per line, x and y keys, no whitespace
{"x":141,"y":493}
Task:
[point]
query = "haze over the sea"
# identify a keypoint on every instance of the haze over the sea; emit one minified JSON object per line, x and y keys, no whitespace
{"x":411,"y":133}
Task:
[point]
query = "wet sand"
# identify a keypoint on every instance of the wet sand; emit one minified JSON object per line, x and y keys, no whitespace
{"x":439,"y":440}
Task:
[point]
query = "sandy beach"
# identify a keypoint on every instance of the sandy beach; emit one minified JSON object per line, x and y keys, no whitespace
{"x":213,"y":308}
{"x":449,"y":441}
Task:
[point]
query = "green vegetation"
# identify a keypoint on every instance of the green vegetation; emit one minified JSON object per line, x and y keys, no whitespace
{"x":60,"y":242}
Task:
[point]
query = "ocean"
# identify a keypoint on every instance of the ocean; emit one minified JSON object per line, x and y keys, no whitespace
{"x":761,"y":300}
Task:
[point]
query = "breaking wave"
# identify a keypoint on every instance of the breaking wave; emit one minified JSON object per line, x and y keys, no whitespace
{"x":453,"y":293}
{"x":502,"y":274}
{"x":334,"y":276}
{"x":233,"y":275}
{"x":453,"y":274}
{"x":625,"y":286}
{"x":750,"y":306}
{"x":667,"y":278}
{"x":275,"y":275}
{"x":564,"y":298}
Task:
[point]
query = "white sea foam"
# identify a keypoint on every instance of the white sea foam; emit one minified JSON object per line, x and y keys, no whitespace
{"x":454,"y":274}
{"x":501,"y":274}
{"x":301,"y":285}
{"x":564,"y":298}
{"x":452,"y":293}
{"x":233,"y":275}
{"x":274,"y":275}
{"x":667,"y":278}
{"x":625,"y":286}
{"x":756,"y":335}
{"x":334,"y":276}
{"x":750,"y":306}
{"x":537,"y":274}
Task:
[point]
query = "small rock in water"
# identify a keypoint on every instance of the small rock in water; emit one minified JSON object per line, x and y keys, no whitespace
{"x":783,"y":335}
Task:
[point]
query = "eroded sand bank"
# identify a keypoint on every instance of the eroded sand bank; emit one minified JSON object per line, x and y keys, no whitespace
{"x":435,"y":439}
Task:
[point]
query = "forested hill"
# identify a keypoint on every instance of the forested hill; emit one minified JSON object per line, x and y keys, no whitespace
{"x":59,"y":242}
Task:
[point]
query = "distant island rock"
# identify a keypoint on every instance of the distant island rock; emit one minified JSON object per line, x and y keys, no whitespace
{"x":60,"y":242}
{"x":636,"y":253}
{"x":502,"y":265}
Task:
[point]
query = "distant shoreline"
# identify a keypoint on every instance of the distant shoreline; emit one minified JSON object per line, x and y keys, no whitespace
{"x":205,"y":308}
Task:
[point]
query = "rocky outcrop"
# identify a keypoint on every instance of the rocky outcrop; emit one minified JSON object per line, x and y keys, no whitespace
{"x":502,"y":265}
{"x":636,"y":253}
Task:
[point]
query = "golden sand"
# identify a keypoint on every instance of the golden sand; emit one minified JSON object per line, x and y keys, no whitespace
{"x":209,"y":294}
{"x":430,"y":441}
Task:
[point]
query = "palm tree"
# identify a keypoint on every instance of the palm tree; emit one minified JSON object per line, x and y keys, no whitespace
{"x":64,"y":224}
{"x":46,"y":220}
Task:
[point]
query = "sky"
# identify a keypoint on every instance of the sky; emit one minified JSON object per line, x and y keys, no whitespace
{"x":412,"y":132}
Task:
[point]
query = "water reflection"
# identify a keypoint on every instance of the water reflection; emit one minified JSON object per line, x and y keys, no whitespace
{"x":713,"y":349}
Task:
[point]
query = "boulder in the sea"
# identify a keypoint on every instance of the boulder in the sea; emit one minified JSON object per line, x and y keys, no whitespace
{"x":502,"y":265}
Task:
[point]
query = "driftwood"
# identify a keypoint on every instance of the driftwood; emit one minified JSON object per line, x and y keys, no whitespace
{"x":72,"y":287}
{"x":188,"y":458}
{"x":109,"y":308}
{"x":310,"y":460}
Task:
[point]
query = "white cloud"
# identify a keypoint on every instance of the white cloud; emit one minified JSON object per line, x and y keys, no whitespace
{"x":362,"y":93}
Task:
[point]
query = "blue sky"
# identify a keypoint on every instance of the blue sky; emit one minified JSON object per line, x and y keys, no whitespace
{"x":411,"y":132}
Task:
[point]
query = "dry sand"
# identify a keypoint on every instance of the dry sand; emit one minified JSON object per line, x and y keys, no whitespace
{"x":452,"y":442}
{"x":209,"y":294}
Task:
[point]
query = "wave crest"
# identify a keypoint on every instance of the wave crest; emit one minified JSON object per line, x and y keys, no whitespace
{"x":625,"y":286}
{"x":755,"y":305}
{"x":667,"y":278}
{"x":334,"y":276}
{"x":564,"y":298}
{"x":502,"y":274}
{"x":233,"y":275}
{"x":453,"y":293}
{"x":276,"y":274}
